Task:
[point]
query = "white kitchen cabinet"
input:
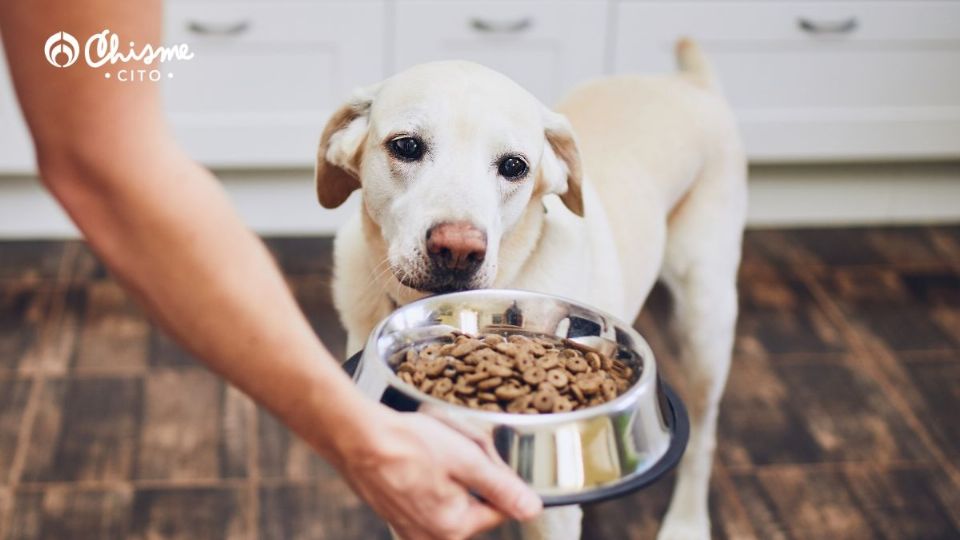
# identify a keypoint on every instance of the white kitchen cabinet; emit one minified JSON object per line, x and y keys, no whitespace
{"x":546,"y":46}
{"x":266,"y":76}
{"x":817,"y":80}
{"x":16,"y":149}
{"x":809,"y":80}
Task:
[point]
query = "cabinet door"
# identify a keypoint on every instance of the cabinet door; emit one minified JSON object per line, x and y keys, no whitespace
{"x":547,"y":47}
{"x":817,"y":80}
{"x":16,"y":149}
{"x":266,"y":76}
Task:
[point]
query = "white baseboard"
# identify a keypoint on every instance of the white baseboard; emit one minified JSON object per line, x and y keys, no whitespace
{"x":273,"y":203}
{"x":854,"y":194}
{"x":277,"y":203}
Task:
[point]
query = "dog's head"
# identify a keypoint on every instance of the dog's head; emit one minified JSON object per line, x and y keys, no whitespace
{"x":449,"y":156}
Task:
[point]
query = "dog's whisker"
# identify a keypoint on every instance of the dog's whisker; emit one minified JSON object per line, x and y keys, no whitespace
{"x":376,"y":274}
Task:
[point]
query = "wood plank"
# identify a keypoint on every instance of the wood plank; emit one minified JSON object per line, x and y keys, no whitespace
{"x":26,"y":519}
{"x":6,"y":507}
{"x":773,"y":252}
{"x":45,"y":432}
{"x":23,"y":311}
{"x":948,"y":493}
{"x":284,"y":455}
{"x":13,"y":401}
{"x":84,"y":266}
{"x":182,"y":429}
{"x":58,"y":332}
{"x":868,"y":503}
{"x":809,"y":412}
{"x":314,"y":297}
{"x":779,"y":315}
{"x":908,"y":247}
{"x":798,"y":504}
{"x":758,"y":424}
{"x":114,"y":331}
{"x":849,"y":415}
{"x":938,"y":388}
{"x":65,"y":512}
{"x":189,"y":514}
{"x":321,"y":511}
{"x":87,"y":430}
{"x":234,"y":448}
{"x":947,"y":242}
{"x":164,"y":352}
{"x":639,"y":515}
{"x":896,"y":308}
{"x":837,"y":247}
{"x":901,"y":503}
{"x":30,"y":261}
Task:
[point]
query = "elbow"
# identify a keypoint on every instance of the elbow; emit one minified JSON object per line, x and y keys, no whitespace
{"x":66,"y":170}
{"x":66,"y":176}
{"x":88,"y":182}
{"x":79,"y":184}
{"x":99,"y":167}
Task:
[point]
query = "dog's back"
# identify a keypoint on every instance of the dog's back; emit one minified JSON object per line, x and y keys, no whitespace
{"x":659,"y":127}
{"x":645,"y":141}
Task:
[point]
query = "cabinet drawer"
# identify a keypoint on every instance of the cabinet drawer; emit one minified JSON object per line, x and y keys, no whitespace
{"x":547,"y":47}
{"x":266,"y":76}
{"x":818,"y":80}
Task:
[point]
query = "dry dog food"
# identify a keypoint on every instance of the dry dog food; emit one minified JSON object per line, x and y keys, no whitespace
{"x":516,"y":373}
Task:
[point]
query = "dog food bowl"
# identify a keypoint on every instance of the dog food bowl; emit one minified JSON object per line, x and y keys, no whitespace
{"x":571,"y":457}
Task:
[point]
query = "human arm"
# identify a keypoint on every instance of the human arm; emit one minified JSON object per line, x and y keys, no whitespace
{"x":165,"y":228}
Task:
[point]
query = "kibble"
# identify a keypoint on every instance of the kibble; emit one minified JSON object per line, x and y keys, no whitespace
{"x":516,"y":373}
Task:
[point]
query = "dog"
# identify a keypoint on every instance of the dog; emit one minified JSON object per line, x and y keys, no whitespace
{"x":467,"y":181}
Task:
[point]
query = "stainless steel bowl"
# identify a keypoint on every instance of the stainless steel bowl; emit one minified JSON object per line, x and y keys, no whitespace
{"x":572,"y":457}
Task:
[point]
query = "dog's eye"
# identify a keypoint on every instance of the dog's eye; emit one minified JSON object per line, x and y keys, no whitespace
{"x":406,"y":148}
{"x":512,"y":167}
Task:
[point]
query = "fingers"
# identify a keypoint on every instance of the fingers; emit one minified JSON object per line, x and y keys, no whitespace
{"x":478,"y":518}
{"x":444,"y":468}
{"x":484,"y":439}
{"x":497,"y":484}
{"x":481,"y":517}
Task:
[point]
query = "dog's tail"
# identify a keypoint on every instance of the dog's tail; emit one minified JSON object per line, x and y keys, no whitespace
{"x":694,"y":66}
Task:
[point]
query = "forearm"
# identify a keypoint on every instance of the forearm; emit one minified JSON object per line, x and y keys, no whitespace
{"x":164,"y":227}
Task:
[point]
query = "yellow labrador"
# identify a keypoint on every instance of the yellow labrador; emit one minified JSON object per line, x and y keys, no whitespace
{"x":468,"y":181}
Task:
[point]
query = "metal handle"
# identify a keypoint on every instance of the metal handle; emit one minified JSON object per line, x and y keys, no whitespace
{"x":207,"y":29}
{"x":501,"y":27}
{"x":827,"y":27}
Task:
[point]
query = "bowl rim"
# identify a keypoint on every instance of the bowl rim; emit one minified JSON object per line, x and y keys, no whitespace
{"x":646,"y":383}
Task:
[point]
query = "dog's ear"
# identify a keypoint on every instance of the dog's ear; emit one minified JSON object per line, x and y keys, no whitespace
{"x":560,"y":163}
{"x":340,"y":150}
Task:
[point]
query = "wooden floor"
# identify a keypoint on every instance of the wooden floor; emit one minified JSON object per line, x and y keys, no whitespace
{"x":841,"y":418}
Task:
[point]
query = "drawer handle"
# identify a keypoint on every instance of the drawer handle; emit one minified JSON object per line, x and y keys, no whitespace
{"x":501,"y":27}
{"x":206,"y":29}
{"x":828,"y":27}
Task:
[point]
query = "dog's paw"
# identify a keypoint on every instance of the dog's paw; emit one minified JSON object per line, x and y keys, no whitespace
{"x":684,"y":529}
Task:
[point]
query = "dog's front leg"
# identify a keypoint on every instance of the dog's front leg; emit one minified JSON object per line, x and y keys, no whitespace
{"x":706,"y":311}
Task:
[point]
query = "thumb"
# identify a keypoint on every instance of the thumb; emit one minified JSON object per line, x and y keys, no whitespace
{"x":497,"y":484}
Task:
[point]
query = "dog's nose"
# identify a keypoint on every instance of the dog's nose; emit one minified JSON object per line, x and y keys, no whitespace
{"x":456,"y":246}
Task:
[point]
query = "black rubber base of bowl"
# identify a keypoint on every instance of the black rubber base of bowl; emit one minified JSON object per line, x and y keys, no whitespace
{"x":677,"y":420}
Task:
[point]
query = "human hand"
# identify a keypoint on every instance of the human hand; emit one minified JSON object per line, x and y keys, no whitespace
{"x":418,"y":474}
